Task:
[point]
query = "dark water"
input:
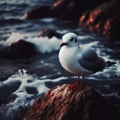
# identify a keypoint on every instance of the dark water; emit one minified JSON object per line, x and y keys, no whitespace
{"x":24,"y":80}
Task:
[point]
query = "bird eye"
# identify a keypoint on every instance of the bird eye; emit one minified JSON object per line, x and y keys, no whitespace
{"x":71,"y":39}
{"x":75,"y":40}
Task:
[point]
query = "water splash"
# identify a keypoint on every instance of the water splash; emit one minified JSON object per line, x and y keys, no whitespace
{"x":30,"y":86}
{"x":14,"y":37}
{"x":45,"y":45}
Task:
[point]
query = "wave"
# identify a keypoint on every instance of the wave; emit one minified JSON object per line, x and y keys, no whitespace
{"x":27,"y":86}
{"x":10,"y":21}
{"x":45,"y":45}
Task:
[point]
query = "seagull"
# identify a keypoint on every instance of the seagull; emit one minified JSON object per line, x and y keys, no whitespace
{"x":79,"y":61}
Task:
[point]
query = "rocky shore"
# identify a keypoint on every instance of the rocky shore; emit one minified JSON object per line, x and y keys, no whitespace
{"x":68,"y":101}
{"x":102,"y":17}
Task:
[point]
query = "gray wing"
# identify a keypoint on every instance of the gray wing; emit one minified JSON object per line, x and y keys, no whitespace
{"x":90,"y":61}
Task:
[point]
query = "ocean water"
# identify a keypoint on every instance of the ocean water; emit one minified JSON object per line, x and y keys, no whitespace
{"x":22,"y":81}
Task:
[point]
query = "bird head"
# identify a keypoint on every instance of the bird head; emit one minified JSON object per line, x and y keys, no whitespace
{"x":70,"y":40}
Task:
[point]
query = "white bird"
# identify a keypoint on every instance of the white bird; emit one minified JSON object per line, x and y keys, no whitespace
{"x":78,"y":61}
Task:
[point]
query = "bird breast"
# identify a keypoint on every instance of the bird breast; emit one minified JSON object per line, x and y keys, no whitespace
{"x":69,"y":61}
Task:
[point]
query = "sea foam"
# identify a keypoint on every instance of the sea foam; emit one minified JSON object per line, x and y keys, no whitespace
{"x":43,"y":44}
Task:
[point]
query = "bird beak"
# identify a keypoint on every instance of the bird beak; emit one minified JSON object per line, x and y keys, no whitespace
{"x":62,"y":44}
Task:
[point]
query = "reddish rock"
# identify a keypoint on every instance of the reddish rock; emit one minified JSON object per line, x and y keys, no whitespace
{"x":63,"y":9}
{"x":50,"y":33}
{"x":72,"y":102}
{"x":104,"y":19}
{"x":102,"y":16}
{"x":36,"y":13}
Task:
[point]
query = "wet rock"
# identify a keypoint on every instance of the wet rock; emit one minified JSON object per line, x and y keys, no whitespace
{"x":19,"y":50}
{"x":72,"y":102}
{"x":6,"y":90}
{"x":50,"y":33}
{"x":31,"y":90}
{"x":36,"y":13}
{"x":73,"y":9}
{"x":102,"y":16}
{"x":63,"y":9}
{"x":14,"y":110}
{"x":104,"y":19}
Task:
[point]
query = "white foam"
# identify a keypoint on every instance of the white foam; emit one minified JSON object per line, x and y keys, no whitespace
{"x":45,"y":45}
{"x":48,"y":20}
{"x":24,"y":77}
{"x":14,"y":37}
{"x":31,"y":82}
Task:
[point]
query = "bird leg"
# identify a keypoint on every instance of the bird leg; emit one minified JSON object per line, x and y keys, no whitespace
{"x":83,"y":79}
{"x":78,"y":81}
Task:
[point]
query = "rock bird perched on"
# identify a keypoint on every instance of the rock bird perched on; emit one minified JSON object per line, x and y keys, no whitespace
{"x":77,"y":60}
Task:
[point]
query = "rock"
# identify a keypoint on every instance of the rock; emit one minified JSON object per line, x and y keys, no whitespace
{"x":50,"y":33}
{"x":36,"y":13}
{"x":72,"y":102}
{"x":6,"y":90}
{"x":19,"y":50}
{"x":14,"y":110}
{"x":102,"y":16}
{"x":104,"y":19}
{"x":31,"y":90}
{"x":63,"y":9}
{"x":73,"y":9}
